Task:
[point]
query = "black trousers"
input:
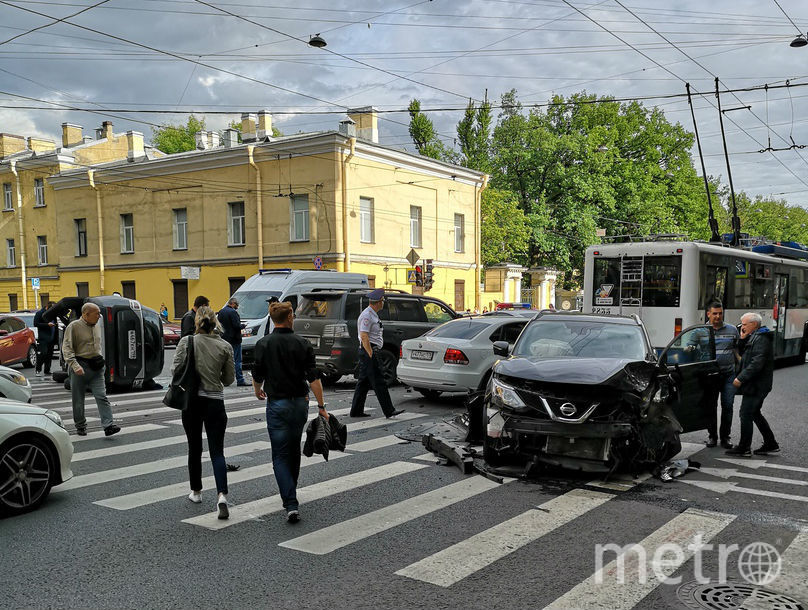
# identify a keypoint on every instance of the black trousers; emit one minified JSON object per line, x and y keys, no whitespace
{"x":751,"y":414}
{"x":44,"y":355}
{"x":210,"y":413}
{"x":370,"y":376}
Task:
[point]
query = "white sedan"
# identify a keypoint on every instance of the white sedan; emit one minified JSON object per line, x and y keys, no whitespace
{"x":457,"y":356}
{"x":14,"y":385}
{"x":35,"y":455}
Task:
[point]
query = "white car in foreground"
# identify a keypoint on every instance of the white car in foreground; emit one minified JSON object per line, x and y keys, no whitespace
{"x":35,"y":454}
{"x":14,"y":385}
{"x":457,"y":356}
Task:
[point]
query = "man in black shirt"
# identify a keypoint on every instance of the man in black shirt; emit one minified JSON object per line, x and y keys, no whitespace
{"x":188,"y":322}
{"x":284,"y":362}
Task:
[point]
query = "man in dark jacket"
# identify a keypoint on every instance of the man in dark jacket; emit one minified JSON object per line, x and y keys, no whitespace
{"x":188,"y":322}
{"x":45,"y":340}
{"x":231,"y":326}
{"x":754,"y":382}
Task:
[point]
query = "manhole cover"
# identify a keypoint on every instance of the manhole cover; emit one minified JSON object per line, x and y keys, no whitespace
{"x":732,"y":595}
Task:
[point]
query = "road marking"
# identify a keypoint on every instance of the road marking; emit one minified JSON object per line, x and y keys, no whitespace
{"x":617,"y":588}
{"x":339,"y":535}
{"x":426,"y":457}
{"x":253,"y":411}
{"x":375,"y":443}
{"x":265,"y":506}
{"x":112,"y":397}
{"x":100,"y":434}
{"x":755,"y":464}
{"x":726,"y":473}
{"x":793,"y":578}
{"x":624,"y":483}
{"x":135,"y":470}
{"x":458,"y":561}
{"x":723,"y":487}
{"x":178,"y":490}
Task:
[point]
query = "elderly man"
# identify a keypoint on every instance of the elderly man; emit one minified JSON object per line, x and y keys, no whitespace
{"x":81,"y":348}
{"x":754,"y":382}
{"x":370,"y":369}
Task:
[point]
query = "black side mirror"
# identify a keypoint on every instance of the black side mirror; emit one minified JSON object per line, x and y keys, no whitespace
{"x":3,"y":333}
{"x":501,"y":348}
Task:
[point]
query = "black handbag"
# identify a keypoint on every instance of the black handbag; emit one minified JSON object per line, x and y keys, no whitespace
{"x":184,"y":383}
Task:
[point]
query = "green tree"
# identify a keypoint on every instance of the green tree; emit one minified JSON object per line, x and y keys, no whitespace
{"x":276,"y":133}
{"x":177,"y":138}
{"x":504,"y":233}
{"x":424,"y":135}
{"x":474,"y":136}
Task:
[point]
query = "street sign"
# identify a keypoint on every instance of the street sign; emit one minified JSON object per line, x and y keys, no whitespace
{"x":189,"y":273}
{"x":318,"y":263}
{"x":413,"y":257}
{"x":35,"y":283}
{"x":411,"y":276}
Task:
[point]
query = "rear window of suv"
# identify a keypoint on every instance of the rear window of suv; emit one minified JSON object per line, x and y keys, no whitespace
{"x":458,"y":329}
{"x":320,"y":308}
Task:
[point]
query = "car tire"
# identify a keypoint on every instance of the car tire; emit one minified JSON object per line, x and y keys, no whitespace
{"x":32,"y":457}
{"x":388,"y":362}
{"x":429,"y":394}
{"x":32,"y":355}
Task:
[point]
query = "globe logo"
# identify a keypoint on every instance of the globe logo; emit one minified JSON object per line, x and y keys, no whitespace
{"x":759,"y":563}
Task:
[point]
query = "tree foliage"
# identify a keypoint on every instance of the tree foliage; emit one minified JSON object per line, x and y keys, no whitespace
{"x":504,"y":234}
{"x":177,"y":138}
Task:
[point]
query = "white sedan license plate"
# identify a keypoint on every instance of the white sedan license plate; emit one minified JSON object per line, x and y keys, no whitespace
{"x":420,"y":355}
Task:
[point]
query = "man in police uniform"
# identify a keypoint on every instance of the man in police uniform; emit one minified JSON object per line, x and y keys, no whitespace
{"x":370,"y":370}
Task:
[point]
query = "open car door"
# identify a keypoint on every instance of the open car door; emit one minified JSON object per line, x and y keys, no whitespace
{"x":690,"y":360}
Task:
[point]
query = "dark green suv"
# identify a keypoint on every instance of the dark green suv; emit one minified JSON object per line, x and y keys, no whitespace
{"x":328,"y":320}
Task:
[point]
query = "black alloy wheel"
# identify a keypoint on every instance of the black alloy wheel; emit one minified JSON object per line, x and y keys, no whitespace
{"x":26,"y":473}
{"x":388,"y":362}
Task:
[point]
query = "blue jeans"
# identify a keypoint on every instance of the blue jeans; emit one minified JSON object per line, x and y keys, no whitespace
{"x":237,"y":363}
{"x":78,"y":386}
{"x":286,"y":418}
{"x":726,"y":391}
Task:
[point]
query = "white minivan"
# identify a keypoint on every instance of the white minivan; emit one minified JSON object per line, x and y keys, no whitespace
{"x":286,"y":285}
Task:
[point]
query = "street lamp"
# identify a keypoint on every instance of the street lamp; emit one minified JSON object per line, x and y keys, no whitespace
{"x":799,"y":41}
{"x":319,"y":42}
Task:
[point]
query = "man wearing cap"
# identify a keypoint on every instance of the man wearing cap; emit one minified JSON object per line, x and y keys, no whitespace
{"x":370,"y":370}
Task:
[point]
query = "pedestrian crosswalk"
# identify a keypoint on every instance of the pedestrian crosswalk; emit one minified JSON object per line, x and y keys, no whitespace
{"x":144,"y":467}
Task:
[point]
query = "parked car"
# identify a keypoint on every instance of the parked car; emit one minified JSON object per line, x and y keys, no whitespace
{"x":17,"y":342}
{"x":328,"y":320}
{"x":456,"y":356}
{"x":27,"y":316}
{"x":35,"y":454}
{"x":171,"y":334}
{"x":14,"y":385}
{"x":586,"y":391}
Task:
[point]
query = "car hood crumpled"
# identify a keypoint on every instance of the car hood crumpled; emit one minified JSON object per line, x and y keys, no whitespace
{"x":14,"y":407}
{"x":588,"y":371}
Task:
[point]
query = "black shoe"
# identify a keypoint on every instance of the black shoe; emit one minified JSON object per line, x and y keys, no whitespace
{"x":740,"y":452}
{"x":81,"y":431}
{"x":767,"y":449}
{"x":293,"y":516}
{"x":396,"y":412}
{"x":711,"y":442}
{"x":111,"y":429}
{"x":361,"y":415}
{"x":725,"y":444}
{"x":243,"y":384}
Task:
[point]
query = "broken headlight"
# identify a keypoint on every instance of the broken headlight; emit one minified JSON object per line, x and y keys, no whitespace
{"x":504,"y":395}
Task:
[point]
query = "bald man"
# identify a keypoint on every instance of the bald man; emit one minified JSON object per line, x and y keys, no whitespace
{"x":81,"y":348}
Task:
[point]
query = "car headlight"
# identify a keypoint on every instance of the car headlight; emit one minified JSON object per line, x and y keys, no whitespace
{"x":54,"y":417}
{"x":17,"y":378}
{"x":506,"y":395}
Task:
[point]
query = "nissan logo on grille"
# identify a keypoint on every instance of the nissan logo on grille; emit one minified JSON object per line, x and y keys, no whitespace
{"x":567,"y":409}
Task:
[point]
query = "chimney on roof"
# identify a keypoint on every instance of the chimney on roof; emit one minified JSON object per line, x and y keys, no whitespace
{"x":213,"y":139}
{"x":367,"y":123}
{"x":106,"y":130}
{"x":247,"y":127}
{"x":71,"y":135}
{"x":348,"y":128}
{"x":41,"y":145}
{"x":136,"y":145}
{"x":201,"y":138}
{"x":264,"y":127}
{"x":10,"y":144}
{"x":230,"y":138}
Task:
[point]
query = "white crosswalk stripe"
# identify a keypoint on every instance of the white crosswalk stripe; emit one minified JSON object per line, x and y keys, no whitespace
{"x":793,"y":577}
{"x":124,"y":431}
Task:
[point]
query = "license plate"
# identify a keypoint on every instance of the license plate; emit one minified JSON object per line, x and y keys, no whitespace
{"x":132,"y":340}
{"x":417,"y":354}
{"x":315,"y":341}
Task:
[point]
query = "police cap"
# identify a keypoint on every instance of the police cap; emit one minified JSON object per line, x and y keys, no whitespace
{"x":376,"y":295}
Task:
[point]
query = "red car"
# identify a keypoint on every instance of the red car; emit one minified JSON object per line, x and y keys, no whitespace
{"x":17,"y":342}
{"x":171,"y":333}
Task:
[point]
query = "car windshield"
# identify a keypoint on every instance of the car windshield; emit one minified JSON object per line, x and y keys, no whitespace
{"x":27,"y":318}
{"x":459,"y":329}
{"x":323,"y":308}
{"x":580,"y":339}
{"x":253,"y":304}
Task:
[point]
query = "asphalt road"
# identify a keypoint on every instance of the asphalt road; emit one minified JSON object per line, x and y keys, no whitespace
{"x":384,"y":526}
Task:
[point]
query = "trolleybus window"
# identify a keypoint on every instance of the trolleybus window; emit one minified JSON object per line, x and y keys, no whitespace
{"x":754,"y":288}
{"x":606,"y":281}
{"x":661,"y":279}
{"x":802,"y":288}
{"x":715,"y":286}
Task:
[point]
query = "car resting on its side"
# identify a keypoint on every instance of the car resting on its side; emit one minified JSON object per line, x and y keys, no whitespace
{"x":587,"y":392}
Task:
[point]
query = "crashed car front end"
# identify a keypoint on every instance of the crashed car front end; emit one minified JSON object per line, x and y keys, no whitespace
{"x":593,"y":415}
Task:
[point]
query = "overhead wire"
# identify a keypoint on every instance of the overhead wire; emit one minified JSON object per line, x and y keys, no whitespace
{"x":56,"y":20}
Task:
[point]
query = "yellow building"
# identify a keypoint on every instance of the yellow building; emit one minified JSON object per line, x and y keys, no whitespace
{"x":165,"y":229}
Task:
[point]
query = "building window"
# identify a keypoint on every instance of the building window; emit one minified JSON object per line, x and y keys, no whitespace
{"x":82,"y":289}
{"x":233,"y":284}
{"x":11,"y":253}
{"x":127,"y":234}
{"x":366,"y":232}
{"x":299,"y":218}
{"x":235,"y":223}
{"x":81,"y":236}
{"x":8,"y":202}
{"x":180,"y":229}
{"x":128,"y":290}
{"x":12,"y":302}
{"x":42,"y":249}
{"x":415,"y":226}
{"x":39,"y":192}
{"x":460,"y":232}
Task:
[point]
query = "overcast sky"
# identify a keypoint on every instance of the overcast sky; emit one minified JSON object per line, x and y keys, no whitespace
{"x":386,"y":52}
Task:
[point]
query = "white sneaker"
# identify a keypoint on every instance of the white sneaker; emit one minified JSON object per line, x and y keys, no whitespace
{"x":38,"y":373}
{"x":195,"y":497}
{"x":221,"y":504}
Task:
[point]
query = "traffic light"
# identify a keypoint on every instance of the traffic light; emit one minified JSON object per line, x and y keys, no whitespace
{"x":428,"y":276}
{"x":419,"y":276}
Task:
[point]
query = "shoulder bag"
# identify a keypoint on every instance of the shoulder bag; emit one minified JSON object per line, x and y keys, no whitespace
{"x":184,"y":383}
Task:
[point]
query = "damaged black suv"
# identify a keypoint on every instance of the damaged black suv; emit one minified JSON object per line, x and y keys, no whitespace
{"x":587,"y":392}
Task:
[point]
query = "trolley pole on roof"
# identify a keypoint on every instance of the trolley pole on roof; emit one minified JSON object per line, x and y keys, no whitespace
{"x":712,"y":222}
{"x":736,"y":222}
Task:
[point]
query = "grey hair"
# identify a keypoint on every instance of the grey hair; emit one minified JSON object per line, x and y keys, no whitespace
{"x":753,"y":317}
{"x":89,"y":307}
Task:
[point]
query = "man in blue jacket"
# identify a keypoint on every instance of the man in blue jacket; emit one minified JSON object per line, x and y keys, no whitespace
{"x":754,"y":382}
{"x":231,"y":325}
{"x":45,"y":340}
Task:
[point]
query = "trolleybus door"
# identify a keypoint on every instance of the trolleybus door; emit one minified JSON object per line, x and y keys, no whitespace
{"x":779,"y":313}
